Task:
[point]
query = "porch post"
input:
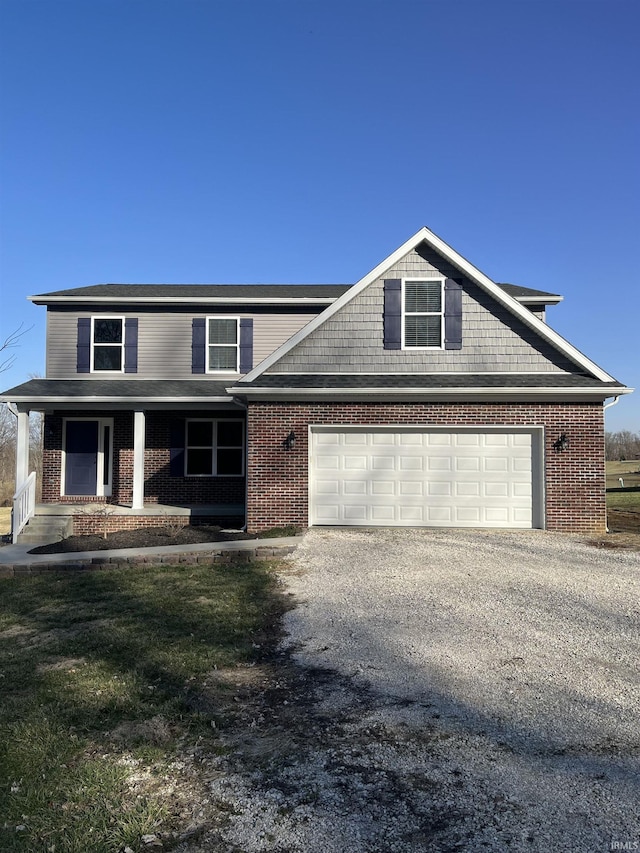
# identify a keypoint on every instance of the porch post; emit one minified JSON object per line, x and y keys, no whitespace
{"x":138,"y":460}
{"x":22,"y":449}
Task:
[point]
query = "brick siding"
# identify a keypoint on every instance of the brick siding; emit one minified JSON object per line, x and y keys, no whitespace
{"x":574,"y":479}
{"x":160,"y":486}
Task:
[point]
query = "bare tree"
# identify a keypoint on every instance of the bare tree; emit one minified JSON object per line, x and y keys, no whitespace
{"x":9,"y":343}
{"x":622,"y":445}
{"x":7,"y":455}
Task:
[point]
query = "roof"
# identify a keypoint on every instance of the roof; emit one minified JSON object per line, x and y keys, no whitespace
{"x":228,"y":292}
{"x":428,"y":380}
{"x":201,"y":393}
{"x":528,"y":294}
{"x":194,"y":293}
{"x":108,"y":390}
{"x":433,"y":387}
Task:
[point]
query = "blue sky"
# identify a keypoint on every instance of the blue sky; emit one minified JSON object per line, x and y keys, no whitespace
{"x":304,"y":140}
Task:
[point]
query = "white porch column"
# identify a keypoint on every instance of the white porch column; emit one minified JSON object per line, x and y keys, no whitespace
{"x":138,"y":460}
{"x":22,"y":449}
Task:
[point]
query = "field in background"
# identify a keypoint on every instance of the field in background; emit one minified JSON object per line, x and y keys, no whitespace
{"x":5,"y":520}
{"x":629,"y":471}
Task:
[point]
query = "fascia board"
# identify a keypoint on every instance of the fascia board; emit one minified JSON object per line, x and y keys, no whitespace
{"x":537,"y":300}
{"x":175,"y":401}
{"x":431,"y":393}
{"x":461,"y":263}
{"x":180,"y":300}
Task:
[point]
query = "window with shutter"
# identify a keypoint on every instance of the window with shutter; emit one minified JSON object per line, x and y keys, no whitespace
{"x":223,"y":344}
{"x":423,"y":313}
{"x":107,"y":344}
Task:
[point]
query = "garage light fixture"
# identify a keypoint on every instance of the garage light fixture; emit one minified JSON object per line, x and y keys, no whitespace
{"x":561,"y":443}
{"x":290,"y":441}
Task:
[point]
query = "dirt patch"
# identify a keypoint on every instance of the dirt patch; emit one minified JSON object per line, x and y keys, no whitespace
{"x":624,"y":531}
{"x":143,"y":537}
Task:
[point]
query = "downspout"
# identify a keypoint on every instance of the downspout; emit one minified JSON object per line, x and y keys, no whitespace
{"x":604,"y":408}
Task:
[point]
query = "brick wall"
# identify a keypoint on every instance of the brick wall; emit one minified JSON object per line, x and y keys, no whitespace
{"x":574,"y":479}
{"x":160,"y":486}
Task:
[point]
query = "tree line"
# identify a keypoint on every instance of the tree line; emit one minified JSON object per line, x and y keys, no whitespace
{"x":622,"y":446}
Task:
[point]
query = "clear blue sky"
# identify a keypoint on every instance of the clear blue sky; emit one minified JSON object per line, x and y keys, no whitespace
{"x":304,"y":140}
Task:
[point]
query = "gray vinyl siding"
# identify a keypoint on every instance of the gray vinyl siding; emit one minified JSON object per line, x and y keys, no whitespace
{"x":164,"y":339}
{"x":493,"y":339}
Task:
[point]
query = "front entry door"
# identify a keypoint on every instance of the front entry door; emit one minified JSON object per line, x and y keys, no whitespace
{"x":87,"y":457}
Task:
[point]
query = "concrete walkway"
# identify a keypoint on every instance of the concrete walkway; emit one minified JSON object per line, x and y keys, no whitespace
{"x":17,"y":555}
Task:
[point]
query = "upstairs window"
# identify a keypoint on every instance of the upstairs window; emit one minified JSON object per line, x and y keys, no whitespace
{"x":222,"y":344}
{"x":422,"y":314}
{"x":214,"y":448}
{"x":107,"y":344}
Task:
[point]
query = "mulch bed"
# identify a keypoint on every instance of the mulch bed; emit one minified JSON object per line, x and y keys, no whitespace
{"x":143,"y":537}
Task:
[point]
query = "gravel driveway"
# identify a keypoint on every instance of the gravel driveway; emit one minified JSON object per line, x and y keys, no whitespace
{"x":478,"y":691}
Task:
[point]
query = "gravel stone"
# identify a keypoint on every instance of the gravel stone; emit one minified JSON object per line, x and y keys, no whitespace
{"x":469,"y":691}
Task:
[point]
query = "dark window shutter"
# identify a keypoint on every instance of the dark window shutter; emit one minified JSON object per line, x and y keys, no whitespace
{"x":246,"y":344}
{"x":392,"y":313}
{"x":452,"y":314}
{"x":176,"y":452}
{"x":131,"y":345}
{"x":198,"y":345}
{"x":84,"y":345}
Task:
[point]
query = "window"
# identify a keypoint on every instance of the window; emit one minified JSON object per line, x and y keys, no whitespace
{"x":107,"y":344}
{"x":214,"y":448}
{"x":222,"y":344}
{"x":422,"y":313}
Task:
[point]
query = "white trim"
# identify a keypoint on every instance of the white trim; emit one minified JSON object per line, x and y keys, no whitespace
{"x":102,"y":489}
{"x":207,"y":344}
{"x":427,"y":236}
{"x":183,"y":300}
{"x":138,"y":459}
{"x":132,"y":401}
{"x":22,"y":449}
{"x":395,"y":392}
{"x":538,"y":300}
{"x":538,"y":480}
{"x":92,"y":369}
{"x":405,"y":314}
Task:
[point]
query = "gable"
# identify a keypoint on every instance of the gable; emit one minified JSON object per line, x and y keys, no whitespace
{"x":493,"y":338}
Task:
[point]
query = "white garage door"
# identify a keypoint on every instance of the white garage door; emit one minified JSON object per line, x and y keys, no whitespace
{"x":413,"y":476}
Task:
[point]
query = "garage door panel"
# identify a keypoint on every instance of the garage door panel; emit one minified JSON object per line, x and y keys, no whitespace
{"x":412,"y":476}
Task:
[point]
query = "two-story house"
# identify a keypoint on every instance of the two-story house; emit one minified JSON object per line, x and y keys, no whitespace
{"x":425,"y":394}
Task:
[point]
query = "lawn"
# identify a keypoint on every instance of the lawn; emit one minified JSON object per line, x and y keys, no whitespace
{"x":5,"y":520}
{"x":103,"y":683}
{"x":625,"y":497}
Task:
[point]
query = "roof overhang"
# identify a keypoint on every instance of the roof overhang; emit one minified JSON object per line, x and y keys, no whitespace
{"x":431,"y":395}
{"x":180,"y":300}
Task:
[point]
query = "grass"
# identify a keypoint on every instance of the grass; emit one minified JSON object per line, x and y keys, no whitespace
{"x":625,"y":497}
{"x":629,"y":471}
{"x":5,"y":520}
{"x":103,"y":678}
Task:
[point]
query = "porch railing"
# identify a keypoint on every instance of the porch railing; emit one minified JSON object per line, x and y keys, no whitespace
{"x":24,"y":505}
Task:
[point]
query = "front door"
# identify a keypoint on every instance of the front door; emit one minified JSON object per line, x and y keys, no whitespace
{"x":87,"y":457}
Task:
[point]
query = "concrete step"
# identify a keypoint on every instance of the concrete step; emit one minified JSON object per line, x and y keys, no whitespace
{"x":44,"y":529}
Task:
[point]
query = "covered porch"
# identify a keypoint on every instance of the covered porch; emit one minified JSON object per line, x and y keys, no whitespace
{"x":129,"y":457}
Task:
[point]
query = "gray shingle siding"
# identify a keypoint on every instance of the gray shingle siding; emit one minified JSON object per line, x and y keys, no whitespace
{"x":493,"y":339}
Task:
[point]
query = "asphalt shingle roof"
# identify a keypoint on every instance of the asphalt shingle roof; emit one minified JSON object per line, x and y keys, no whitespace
{"x":233,"y":291}
{"x":133,"y":388}
{"x":345,"y":381}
